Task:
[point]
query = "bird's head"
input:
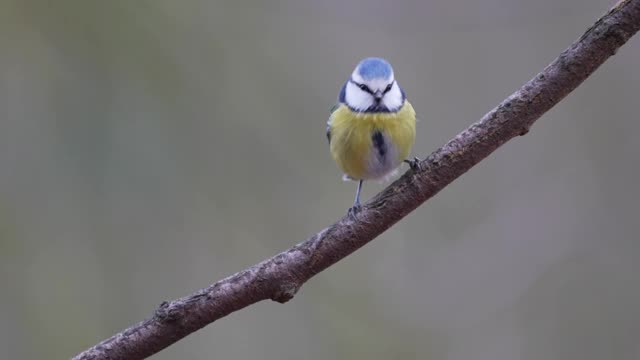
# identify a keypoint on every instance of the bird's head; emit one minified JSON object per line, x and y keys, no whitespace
{"x":373,"y":88}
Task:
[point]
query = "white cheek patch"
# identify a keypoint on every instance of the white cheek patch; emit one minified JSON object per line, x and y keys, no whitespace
{"x":393,"y":99}
{"x":356,"y":98}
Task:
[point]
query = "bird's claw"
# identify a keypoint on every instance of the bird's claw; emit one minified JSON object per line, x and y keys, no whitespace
{"x":354,"y":210}
{"x":414,"y":163}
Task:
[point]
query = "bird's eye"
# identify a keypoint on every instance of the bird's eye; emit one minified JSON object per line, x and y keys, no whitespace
{"x":363,"y":87}
{"x":388,"y":88}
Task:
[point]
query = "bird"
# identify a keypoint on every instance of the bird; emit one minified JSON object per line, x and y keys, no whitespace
{"x":372,"y":127}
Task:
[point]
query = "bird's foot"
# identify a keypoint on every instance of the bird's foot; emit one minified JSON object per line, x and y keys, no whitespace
{"x":414,"y":163}
{"x":354,"y":210}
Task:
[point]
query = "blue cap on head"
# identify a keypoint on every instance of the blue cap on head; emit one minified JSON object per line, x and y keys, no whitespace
{"x":375,"y":68}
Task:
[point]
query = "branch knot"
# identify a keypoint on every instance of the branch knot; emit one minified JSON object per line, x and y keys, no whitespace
{"x":285,"y":291}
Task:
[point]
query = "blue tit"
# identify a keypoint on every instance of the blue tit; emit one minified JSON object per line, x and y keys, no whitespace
{"x":372,"y":127}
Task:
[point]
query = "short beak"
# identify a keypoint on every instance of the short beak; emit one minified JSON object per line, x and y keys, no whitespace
{"x":378,"y":95}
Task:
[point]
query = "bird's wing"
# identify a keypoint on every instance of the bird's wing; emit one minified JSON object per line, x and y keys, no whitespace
{"x":341,"y":100}
{"x":334,"y":108}
{"x":328,"y":132}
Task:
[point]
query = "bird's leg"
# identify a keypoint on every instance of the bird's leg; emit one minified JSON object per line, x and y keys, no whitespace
{"x":356,"y":204}
{"x":414,"y":163}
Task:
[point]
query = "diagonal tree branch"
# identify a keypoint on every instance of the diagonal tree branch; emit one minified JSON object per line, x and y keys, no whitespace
{"x":280,"y":277}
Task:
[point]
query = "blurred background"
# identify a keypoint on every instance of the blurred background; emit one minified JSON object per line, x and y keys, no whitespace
{"x":150,"y":148}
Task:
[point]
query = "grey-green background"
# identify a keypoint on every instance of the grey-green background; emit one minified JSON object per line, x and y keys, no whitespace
{"x":149,"y":148}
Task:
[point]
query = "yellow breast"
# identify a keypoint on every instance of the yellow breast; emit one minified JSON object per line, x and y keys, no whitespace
{"x":371,"y":145}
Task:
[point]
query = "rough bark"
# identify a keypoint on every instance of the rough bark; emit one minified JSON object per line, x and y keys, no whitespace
{"x":280,"y":277}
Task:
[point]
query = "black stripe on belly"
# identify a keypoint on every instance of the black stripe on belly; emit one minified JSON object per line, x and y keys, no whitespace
{"x":378,"y":143}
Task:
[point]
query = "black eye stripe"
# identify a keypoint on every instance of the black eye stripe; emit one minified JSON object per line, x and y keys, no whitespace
{"x":365,"y":88}
{"x":362,"y":87}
